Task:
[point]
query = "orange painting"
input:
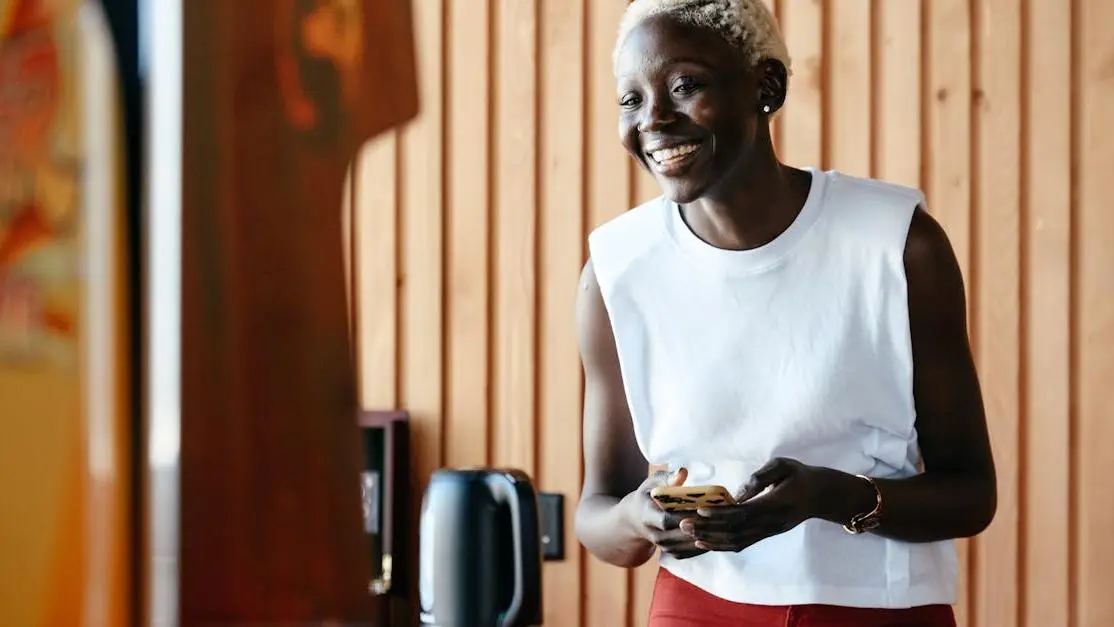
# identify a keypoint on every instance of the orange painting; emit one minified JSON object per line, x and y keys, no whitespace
{"x":39,"y":182}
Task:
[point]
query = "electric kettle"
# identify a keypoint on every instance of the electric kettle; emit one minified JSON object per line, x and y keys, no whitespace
{"x":480,"y":550}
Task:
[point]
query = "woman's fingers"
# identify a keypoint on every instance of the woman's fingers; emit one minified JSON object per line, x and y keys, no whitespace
{"x":728,"y":542}
{"x":736,"y":520}
{"x":678,"y":478}
{"x":774,"y":472}
{"x":681,"y":547}
{"x":708,"y":545}
{"x":671,"y":536}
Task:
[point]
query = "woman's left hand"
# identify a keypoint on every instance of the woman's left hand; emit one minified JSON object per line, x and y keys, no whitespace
{"x":795,"y":490}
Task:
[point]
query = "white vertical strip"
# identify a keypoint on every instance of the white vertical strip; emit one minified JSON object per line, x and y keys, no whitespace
{"x":99,"y":331}
{"x":162,"y":32}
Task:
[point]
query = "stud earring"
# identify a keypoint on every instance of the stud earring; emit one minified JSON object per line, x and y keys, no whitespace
{"x":766,"y":109}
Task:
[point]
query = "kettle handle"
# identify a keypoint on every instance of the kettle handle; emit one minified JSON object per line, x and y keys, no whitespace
{"x":506,"y":490}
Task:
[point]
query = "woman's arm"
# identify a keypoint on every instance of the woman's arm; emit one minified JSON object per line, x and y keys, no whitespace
{"x":956,"y":495}
{"x":614,"y":520}
{"x":611,"y":454}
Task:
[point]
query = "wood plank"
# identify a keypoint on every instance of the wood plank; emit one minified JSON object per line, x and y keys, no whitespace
{"x":515,"y":232}
{"x":467,"y":289}
{"x":801,"y":122}
{"x":996,"y":297}
{"x":561,"y":228}
{"x":897,"y":92}
{"x":607,"y":161}
{"x":1046,"y":389}
{"x":848,"y":98}
{"x":947,"y":38}
{"x":421,"y":217}
{"x":1094,"y":311}
{"x":421,"y":223}
{"x":375,"y":207}
{"x":606,"y":588}
{"x":351,"y":267}
{"x":948,"y":139}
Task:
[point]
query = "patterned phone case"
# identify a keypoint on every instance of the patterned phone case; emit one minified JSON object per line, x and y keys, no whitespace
{"x":688,"y":498}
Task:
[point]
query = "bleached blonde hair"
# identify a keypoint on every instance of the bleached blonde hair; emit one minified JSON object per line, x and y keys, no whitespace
{"x":747,"y":25}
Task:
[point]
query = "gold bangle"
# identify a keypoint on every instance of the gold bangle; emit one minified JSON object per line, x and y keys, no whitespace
{"x":862,"y":523}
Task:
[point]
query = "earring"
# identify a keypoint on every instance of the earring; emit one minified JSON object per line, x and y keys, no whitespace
{"x":766,"y":109}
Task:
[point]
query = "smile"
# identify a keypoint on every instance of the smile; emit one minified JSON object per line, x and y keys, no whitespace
{"x":672,"y":160}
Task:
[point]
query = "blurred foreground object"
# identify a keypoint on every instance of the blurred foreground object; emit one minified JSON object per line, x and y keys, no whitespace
{"x":256,"y":109}
{"x":65,"y":371}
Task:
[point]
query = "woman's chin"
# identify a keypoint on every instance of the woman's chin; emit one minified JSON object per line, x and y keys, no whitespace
{"x":682,"y":191}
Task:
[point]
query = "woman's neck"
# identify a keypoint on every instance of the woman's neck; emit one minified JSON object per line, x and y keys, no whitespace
{"x":752,"y":207}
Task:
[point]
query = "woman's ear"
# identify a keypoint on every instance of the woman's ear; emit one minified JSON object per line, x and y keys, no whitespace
{"x":773,"y":81}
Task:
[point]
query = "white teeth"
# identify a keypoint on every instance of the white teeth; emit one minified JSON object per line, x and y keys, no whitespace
{"x":675,"y":153}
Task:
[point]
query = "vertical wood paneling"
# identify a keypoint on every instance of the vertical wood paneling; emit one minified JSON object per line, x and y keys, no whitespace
{"x":996,"y":290}
{"x":375,"y":201}
{"x":848,"y":96}
{"x":897,"y":91}
{"x":421,"y":222}
{"x":560,"y":255}
{"x":608,"y":182}
{"x":801,"y":123}
{"x":1046,"y":312}
{"x":470,"y":228}
{"x":949,"y":122}
{"x":468,"y":248}
{"x":1093,"y":316}
{"x":515,"y":230}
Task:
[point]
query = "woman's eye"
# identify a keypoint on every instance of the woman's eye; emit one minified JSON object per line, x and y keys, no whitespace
{"x":685,"y":86}
{"x":629,"y":100}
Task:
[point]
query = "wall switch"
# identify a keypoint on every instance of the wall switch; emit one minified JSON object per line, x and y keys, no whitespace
{"x":551,"y":507}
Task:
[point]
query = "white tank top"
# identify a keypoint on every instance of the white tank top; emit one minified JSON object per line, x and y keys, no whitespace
{"x":800,"y":349}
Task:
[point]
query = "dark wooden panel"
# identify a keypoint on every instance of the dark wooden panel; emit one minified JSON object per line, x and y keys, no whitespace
{"x":278,"y":95}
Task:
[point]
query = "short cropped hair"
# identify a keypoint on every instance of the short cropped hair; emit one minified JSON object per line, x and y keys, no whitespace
{"x":747,"y":25}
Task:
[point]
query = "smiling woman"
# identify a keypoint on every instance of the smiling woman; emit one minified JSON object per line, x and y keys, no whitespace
{"x":797,"y":336}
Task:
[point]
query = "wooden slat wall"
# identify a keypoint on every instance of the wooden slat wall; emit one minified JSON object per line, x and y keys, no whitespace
{"x":471,"y":222}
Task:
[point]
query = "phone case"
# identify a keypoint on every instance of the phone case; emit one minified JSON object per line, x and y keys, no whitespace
{"x":689,"y":498}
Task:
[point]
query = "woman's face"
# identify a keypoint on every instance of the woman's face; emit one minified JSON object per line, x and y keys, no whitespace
{"x":687,"y":106}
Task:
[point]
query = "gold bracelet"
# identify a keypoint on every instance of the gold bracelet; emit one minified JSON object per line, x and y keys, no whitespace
{"x":862,"y":523}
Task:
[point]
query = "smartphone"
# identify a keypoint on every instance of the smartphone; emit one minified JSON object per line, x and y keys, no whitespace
{"x":688,"y":498}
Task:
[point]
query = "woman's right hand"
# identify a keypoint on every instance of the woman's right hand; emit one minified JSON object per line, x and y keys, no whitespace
{"x":657,"y":526}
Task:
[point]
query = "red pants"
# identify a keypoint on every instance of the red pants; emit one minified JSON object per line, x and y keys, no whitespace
{"x":678,"y":603}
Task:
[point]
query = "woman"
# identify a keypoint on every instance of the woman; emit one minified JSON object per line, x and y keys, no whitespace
{"x":796,"y":336}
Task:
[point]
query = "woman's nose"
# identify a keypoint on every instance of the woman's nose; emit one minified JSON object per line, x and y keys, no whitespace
{"x":659,"y":114}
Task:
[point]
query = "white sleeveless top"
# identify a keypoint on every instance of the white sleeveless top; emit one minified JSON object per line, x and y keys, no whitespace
{"x":799,"y":349}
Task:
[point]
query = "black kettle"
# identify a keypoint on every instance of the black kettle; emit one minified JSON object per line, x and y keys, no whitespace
{"x":480,"y":550}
